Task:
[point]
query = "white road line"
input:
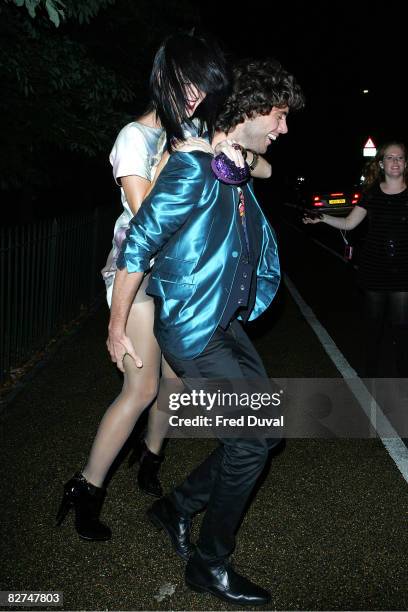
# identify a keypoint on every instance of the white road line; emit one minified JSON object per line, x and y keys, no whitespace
{"x":391,"y":441}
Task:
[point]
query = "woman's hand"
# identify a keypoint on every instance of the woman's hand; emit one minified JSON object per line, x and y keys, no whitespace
{"x":311,"y":217}
{"x":194,"y":144}
{"x":232,"y":150}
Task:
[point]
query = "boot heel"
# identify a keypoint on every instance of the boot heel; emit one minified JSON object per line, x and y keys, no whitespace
{"x":137,"y":450}
{"x":65,"y":507}
{"x":155,"y":521}
{"x":147,"y":477}
{"x":133,"y":457}
{"x":86,"y":500}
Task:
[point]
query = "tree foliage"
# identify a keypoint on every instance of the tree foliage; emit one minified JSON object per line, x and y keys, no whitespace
{"x":73,"y":87}
{"x":58,"y":10}
{"x":54,"y":94}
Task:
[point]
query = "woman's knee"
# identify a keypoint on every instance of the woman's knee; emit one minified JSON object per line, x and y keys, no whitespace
{"x":143,"y":389}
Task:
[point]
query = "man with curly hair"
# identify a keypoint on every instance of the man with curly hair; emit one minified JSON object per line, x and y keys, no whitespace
{"x":216,"y":265}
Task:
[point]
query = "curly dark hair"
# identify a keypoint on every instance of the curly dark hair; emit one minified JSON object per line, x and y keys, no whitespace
{"x":257,"y":87}
{"x":373,"y":172}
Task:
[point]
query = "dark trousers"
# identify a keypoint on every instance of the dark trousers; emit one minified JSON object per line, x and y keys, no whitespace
{"x":224,"y":481}
{"x":378,"y":305}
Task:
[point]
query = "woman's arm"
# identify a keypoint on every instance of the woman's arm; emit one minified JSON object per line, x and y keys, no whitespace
{"x":261,"y":168}
{"x":258,"y":165}
{"x":136,"y":189}
{"x":345,"y":223}
{"x":163,"y":161}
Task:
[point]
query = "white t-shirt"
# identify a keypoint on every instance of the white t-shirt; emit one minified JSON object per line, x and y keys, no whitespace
{"x":137,"y":151}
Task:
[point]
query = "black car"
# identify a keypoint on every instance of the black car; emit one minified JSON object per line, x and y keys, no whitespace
{"x":325,"y":196}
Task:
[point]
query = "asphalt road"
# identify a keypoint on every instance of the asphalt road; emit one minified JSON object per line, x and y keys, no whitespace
{"x":327,"y":530}
{"x":313,"y":257}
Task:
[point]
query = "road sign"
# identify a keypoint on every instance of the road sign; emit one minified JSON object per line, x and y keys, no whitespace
{"x":369,"y":149}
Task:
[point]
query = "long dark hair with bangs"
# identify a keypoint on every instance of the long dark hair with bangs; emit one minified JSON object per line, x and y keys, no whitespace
{"x":182,"y":60}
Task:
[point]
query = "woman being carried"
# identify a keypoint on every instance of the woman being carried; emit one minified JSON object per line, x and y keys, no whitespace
{"x":189,"y":77}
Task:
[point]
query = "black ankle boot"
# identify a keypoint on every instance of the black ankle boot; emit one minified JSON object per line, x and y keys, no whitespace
{"x":87,"y":500}
{"x":147,"y":478}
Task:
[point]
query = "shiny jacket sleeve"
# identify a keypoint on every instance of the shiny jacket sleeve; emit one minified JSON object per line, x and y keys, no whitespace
{"x":175,"y":195}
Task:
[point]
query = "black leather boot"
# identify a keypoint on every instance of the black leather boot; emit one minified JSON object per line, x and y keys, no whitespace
{"x":221,"y":580}
{"x":147,"y":477}
{"x":164,"y":516}
{"x":86,"y":500}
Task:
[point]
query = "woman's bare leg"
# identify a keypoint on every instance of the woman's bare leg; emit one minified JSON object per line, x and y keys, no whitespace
{"x":139,"y":390}
{"x":158,"y":422}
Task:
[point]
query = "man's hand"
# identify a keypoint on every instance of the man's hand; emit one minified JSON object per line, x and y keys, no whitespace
{"x":124,"y":291}
{"x":119,"y":345}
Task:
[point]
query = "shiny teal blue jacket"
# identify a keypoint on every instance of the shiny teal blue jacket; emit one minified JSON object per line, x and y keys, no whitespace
{"x":189,"y":223}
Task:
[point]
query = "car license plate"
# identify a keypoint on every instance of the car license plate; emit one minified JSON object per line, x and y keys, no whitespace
{"x":341,"y":201}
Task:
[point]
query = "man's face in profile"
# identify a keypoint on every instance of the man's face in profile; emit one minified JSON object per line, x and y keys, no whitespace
{"x":260,"y":131}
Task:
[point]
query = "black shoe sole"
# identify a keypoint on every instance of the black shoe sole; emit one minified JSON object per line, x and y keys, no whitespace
{"x":161,"y":526}
{"x":88,"y":539}
{"x":150,"y":493}
{"x":84,"y":537}
{"x":201,"y":589}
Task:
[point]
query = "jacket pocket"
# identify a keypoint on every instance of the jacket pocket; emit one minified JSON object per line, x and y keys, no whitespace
{"x":177,"y":267}
{"x":166,"y":288}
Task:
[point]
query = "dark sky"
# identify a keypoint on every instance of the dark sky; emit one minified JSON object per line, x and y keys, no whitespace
{"x":335,"y":50}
